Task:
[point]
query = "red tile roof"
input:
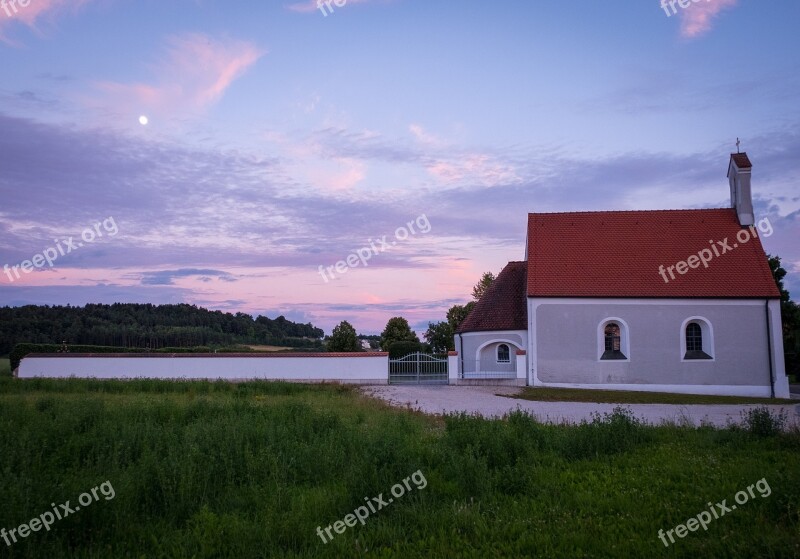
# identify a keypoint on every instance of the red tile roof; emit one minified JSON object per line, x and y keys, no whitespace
{"x":741,"y":160}
{"x":503,"y":306}
{"x":618,"y":254}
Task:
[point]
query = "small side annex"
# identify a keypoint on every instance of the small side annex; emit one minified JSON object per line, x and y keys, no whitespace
{"x":492,"y":341}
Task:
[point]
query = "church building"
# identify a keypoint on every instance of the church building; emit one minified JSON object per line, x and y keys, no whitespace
{"x":666,"y":301}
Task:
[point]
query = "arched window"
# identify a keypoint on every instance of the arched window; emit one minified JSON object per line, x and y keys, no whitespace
{"x":503,"y":354}
{"x":697,"y":340}
{"x":694,"y":337}
{"x":612,"y":340}
{"x":612,"y":337}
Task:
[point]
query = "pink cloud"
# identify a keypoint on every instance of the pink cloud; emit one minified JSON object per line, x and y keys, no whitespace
{"x":341,"y":173}
{"x":697,"y":19}
{"x":194,"y":73}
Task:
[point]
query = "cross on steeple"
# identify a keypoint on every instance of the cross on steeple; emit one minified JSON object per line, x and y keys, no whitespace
{"x":737,"y":145}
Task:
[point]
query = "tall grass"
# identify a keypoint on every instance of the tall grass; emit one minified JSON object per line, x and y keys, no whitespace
{"x":251,"y":470}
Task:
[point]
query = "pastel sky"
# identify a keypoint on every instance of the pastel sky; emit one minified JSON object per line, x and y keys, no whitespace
{"x":280,"y":139}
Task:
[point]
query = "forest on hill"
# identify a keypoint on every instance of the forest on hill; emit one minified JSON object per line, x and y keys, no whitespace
{"x":147,"y":325}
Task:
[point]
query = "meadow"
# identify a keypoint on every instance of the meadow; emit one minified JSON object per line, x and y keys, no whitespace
{"x":251,"y":470}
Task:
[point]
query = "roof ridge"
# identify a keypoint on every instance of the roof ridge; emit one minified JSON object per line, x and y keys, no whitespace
{"x":629,"y":211}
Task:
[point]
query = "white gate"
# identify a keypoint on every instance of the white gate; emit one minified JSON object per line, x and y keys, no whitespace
{"x":418,"y":368}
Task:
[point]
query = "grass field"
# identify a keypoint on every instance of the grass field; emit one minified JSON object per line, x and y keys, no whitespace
{"x":251,"y":470}
{"x":627,"y":397}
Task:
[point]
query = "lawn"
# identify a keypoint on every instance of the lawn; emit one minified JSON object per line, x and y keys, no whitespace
{"x":628,"y":397}
{"x":252,"y":469}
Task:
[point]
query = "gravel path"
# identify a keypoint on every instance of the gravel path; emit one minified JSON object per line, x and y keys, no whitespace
{"x":486,"y":401}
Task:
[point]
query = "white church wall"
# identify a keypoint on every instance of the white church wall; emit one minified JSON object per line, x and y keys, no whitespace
{"x":564,"y":351}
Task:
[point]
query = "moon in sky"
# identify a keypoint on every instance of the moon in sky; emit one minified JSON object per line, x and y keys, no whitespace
{"x":143,"y":120}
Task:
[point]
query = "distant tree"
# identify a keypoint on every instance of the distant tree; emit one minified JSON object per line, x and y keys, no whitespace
{"x":397,"y":330}
{"x":480,"y":288}
{"x":440,"y":337}
{"x":790,"y":316}
{"x":790,"y":312}
{"x":458,"y":313}
{"x":344,"y":338}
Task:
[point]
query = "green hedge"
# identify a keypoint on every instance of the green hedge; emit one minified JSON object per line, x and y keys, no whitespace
{"x":401,"y":349}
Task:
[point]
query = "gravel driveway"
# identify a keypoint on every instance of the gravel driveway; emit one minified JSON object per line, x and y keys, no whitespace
{"x":486,"y":401}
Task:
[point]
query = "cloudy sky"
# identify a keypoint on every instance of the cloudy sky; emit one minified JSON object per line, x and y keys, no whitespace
{"x":222,"y":153}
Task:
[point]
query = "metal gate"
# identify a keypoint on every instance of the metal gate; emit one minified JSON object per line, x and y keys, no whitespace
{"x":418,"y":368}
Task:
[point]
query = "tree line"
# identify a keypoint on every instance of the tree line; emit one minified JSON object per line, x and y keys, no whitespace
{"x":147,"y":326}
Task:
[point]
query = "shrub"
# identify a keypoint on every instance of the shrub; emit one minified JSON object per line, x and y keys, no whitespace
{"x":607,"y":434}
{"x":619,"y":418}
{"x":5,"y":368}
{"x":761,"y":421}
{"x":792,"y":360}
{"x":401,"y":349}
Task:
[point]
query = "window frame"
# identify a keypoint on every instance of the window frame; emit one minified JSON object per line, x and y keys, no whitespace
{"x":624,"y":340}
{"x":694,"y":339}
{"x":497,"y":353}
{"x":707,"y":335}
